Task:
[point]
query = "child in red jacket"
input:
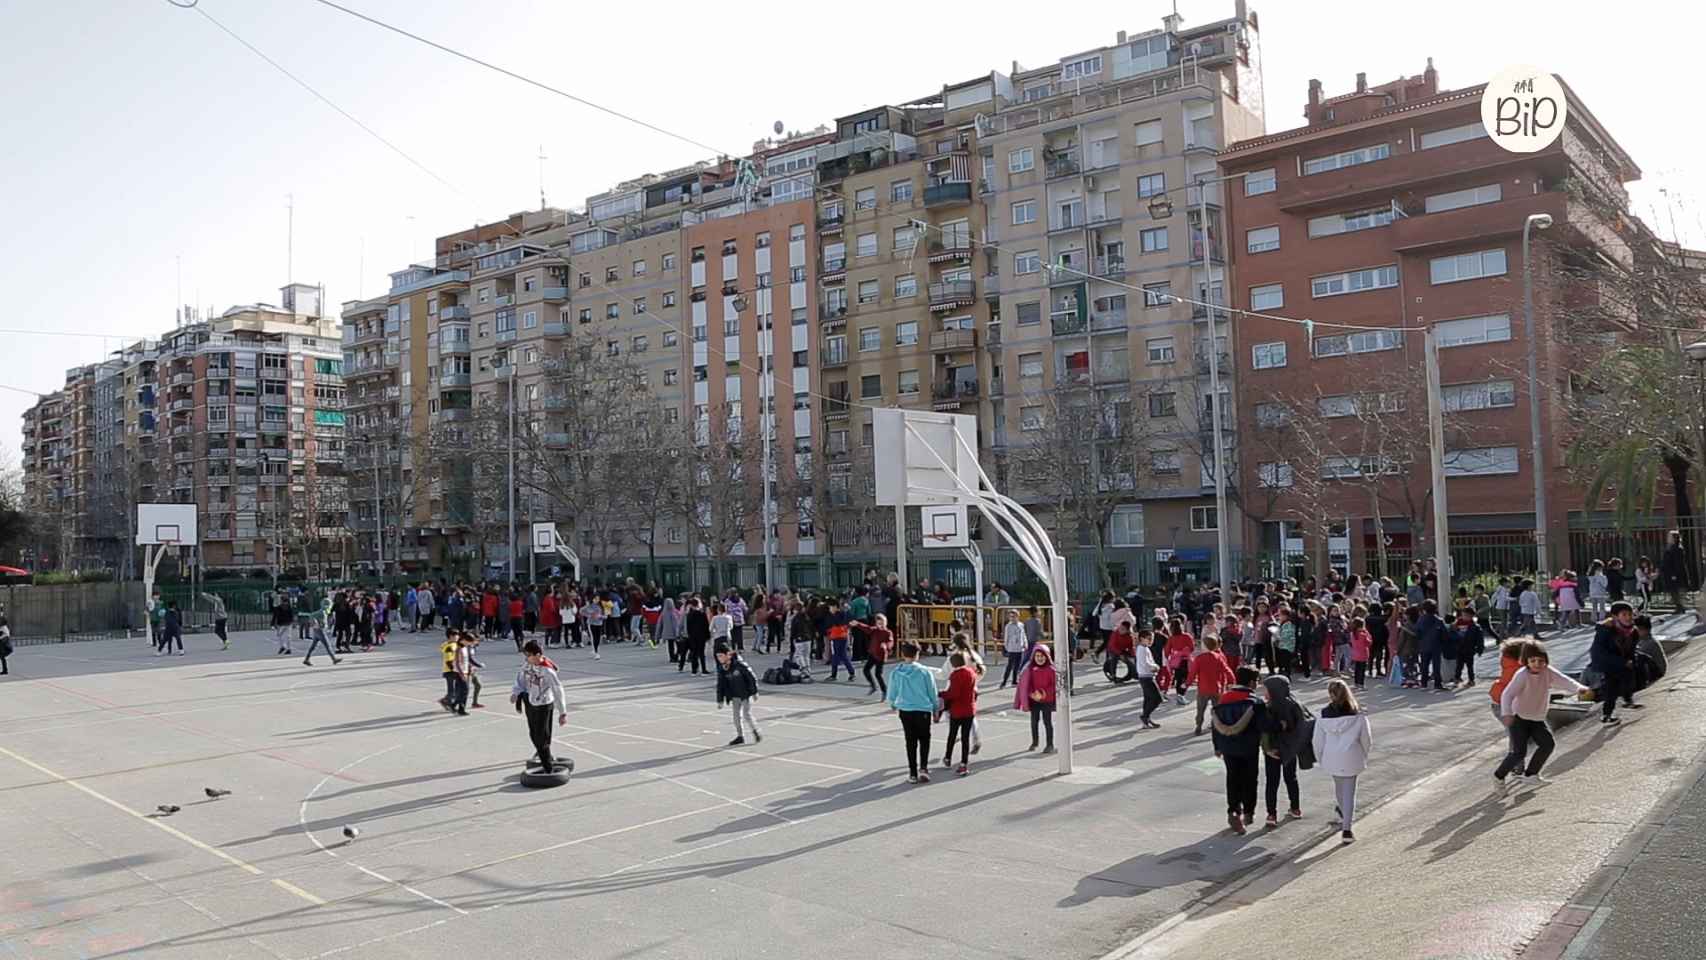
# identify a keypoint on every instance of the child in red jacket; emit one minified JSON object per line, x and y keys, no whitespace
{"x":1176,"y":654}
{"x":961,"y":700}
{"x":1036,"y":693}
{"x":1362,"y":645}
{"x":1212,"y":675}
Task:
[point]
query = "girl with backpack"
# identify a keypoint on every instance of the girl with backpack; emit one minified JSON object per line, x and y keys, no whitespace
{"x":1342,"y":742}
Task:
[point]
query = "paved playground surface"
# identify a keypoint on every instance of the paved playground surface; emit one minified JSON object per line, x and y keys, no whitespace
{"x":665,"y":843}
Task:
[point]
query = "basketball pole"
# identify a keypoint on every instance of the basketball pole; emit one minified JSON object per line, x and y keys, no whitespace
{"x":900,"y":547}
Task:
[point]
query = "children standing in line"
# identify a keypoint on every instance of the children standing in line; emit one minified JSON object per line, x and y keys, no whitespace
{"x":960,"y":699}
{"x":1522,"y":707}
{"x":1343,"y":740}
{"x":738,"y":687}
{"x":912,"y":694}
{"x":1036,"y":693}
{"x":1284,"y":731}
{"x":960,"y":643}
{"x":1145,"y":671}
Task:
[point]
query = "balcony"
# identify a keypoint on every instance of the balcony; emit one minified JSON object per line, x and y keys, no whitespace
{"x":214,"y":426}
{"x":1066,"y":322}
{"x":1064,"y":165}
{"x":949,"y":395}
{"x":504,"y":336}
{"x":453,"y":312}
{"x":182,"y":430}
{"x":1110,"y":267}
{"x":183,"y":456}
{"x":1072,"y":218}
{"x":1201,"y":362}
{"x":952,"y":247}
{"x":835,"y":356}
{"x":555,"y":328}
{"x":1487,"y":222}
{"x":1200,"y":311}
{"x":555,"y":441}
{"x":451,"y":348}
{"x":455,"y":379}
{"x":456,"y":414}
{"x":831,"y":222}
{"x":944,"y":341}
{"x":833,"y":268}
{"x":556,"y":403}
{"x":945,"y":194}
{"x":950,"y":293}
{"x":1068,"y":273}
{"x":555,"y":294}
{"x":992,"y":286}
{"x":1376,"y":182}
{"x":835,"y":408}
{"x":992,"y":335}
{"x":504,"y":300}
{"x":1108,"y":320}
{"x":182,"y":379}
{"x":181,"y":405}
{"x":220,"y":452}
{"x":832,"y":312}
{"x":219,"y":479}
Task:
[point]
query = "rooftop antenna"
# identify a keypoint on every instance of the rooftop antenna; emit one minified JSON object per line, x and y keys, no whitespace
{"x":542,"y":159}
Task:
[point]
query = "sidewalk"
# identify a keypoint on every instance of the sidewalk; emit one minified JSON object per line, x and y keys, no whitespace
{"x":1451,"y":870}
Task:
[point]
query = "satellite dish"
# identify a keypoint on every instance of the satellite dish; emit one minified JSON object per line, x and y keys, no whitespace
{"x":778,"y":127}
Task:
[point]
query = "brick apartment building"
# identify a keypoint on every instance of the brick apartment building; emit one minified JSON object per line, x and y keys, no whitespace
{"x":1391,"y":210}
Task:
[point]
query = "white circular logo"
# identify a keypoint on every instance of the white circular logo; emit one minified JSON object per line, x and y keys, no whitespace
{"x":1523,"y":109}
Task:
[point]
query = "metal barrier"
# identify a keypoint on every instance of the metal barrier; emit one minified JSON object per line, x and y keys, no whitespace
{"x":61,"y":613}
{"x":932,"y":624}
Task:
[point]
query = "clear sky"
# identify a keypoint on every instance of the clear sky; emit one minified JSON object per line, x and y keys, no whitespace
{"x":136,"y":134}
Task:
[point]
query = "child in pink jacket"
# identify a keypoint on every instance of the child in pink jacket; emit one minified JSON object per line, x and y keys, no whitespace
{"x":1362,"y":644}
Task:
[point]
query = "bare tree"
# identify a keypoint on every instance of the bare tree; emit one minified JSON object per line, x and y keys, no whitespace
{"x":728,"y":497}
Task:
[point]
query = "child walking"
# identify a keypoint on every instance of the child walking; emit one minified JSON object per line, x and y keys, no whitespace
{"x":737,"y":687}
{"x":1522,"y":707}
{"x":1145,"y":671}
{"x":1238,"y":718}
{"x":1343,"y":740}
{"x":960,"y":699}
{"x":912,"y":694}
{"x":1036,"y":693}
{"x":538,"y":692}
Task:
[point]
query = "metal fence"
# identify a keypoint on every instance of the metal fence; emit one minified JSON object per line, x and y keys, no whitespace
{"x":66,"y":612}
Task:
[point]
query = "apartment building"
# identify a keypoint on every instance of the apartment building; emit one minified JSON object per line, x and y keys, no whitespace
{"x":126,"y":471}
{"x":1078,"y":155}
{"x":46,"y":465}
{"x":1390,"y":211}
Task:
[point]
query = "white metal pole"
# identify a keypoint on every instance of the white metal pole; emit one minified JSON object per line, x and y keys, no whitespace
{"x":1062,"y":659}
{"x":900,"y":546}
{"x":765,"y":416}
{"x":1536,"y":451}
{"x":378,"y":513}
{"x":509,"y":362}
{"x":1436,"y":451}
{"x":975,"y":556}
{"x":1223,"y":541}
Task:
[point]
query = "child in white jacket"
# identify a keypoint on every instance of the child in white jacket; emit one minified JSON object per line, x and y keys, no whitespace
{"x":1342,"y":744}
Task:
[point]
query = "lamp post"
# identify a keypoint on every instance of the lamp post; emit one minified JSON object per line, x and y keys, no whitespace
{"x":1536,"y":452}
{"x":1160,"y":208}
{"x":1696,"y":353}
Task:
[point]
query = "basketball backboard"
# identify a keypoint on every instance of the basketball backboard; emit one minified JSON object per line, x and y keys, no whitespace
{"x":545,"y":537}
{"x":945,"y":525}
{"x":172,"y":523}
{"x":911,"y":447}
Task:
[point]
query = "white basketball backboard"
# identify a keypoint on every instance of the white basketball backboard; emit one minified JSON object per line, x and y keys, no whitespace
{"x":910,"y":450}
{"x":945,"y":525}
{"x":172,"y":523}
{"x":544,"y":537}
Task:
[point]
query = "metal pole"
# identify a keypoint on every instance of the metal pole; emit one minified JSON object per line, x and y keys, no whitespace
{"x":509,"y":362}
{"x":765,"y":391}
{"x":1436,"y":457}
{"x":900,"y":546}
{"x":378,"y":514}
{"x":1223,"y":548}
{"x":1063,"y":660}
{"x":975,"y":556}
{"x":1535,"y":449}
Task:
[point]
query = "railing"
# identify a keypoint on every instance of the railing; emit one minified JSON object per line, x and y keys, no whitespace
{"x":1066,"y":322}
{"x":831,"y":221}
{"x":955,"y":390}
{"x":829,"y":312}
{"x":946,"y":193}
{"x":1073,"y":219}
{"x":179,"y":379}
{"x":504,"y":336}
{"x":1224,"y":358}
{"x":453,"y":312}
{"x":954,"y":246}
{"x":555,"y":328}
{"x":1065,"y":165}
{"x":453,"y":414}
{"x":835,"y":265}
{"x":556,"y":403}
{"x":952,"y":291}
{"x":991,"y":286}
{"x":834,"y":356}
{"x":455,"y":379}
{"x":945,"y":340}
{"x":504,"y":300}
{"x":555,"y":441}
{"x":1070,"y":272}
{"x":556,"y":294}
{"x":1108,"y":319}
{"x":1110,"y":266}
{"x":836,"y":406}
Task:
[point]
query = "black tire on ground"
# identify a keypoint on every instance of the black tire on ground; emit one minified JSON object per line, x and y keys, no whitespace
{"x":1112,"y":669}
{"x":536,"y":776}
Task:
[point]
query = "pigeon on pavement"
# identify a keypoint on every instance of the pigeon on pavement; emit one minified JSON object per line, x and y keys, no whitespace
{"x":350,"y":833}
{"x":167,"y":809}
{"x":214,"y":793}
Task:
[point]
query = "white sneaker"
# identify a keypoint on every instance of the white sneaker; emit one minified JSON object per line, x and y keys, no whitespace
{"x":598,"y":656}
{"x":1536,"y":781}
{"x":1181,"y":698}
{"x":1515,"y":782}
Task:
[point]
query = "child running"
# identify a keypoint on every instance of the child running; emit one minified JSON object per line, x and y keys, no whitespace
{"x":1522,"y":707}
{"x":1145,"y":671}
{"x":961,"y":701}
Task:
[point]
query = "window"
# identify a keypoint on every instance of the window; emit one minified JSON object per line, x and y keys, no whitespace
{"x":796,"y":274}
{"x":1161,"y":350}
{"x":1204,"y":519}
{"x":900,"y":191}
{"x":1440,"y":138}
{"x":1355,"y":281}
{"x":1272,"y":415}
{"x":1125,"y":526}
{"x":1164,"y":461}
{"x":1458,"y":397}
{"x":699,"y":333}
{"x":1350,"y":222}
{"x":1149,"y":131}
{"x":1363,"y":341}
{"x":611,"y":274}
{"x":670,"y":338}
{"x":1273,"y":475}
{"x":908,"y":382}
{"x":903,"y":239}
{"x":613,"y":348}
{"x":1028,"y":261}
{"x":1028,"y":313}
{"x":1261,"y":239}
{"x":1467,"y":266}
{"x":641,"y":344}
{"x":906,"y":334}
{"x":1163,"y":405}
{"x":905,"y":285}
{"x":1021,"y":160}
{"x":1469,"y":331}
{"x":612,"y":311}
{"x":870,"y":338}
{"x":798,"y":230}
{"x":1473,"y":196}
{"x":1266,"y":356}
{"x":586,"y":280}
{"x":1030,"y":365}
{"x":1349,"y":158}
{"x":669,"y":298}
{"x":1480,"y":461}
{"x":484,"y":295}
{"x":1152,"y":185}
{"x":731,"y":326}
{"x":1269,"y":296}
{"x":867,"y":245}
{"x":1153,"y":240}
{"x":1259,"y":182}
{"x":586,"y":315}
{"x":670,"y":376}
{"x":871,"y":385}
{"x":761,"y":241}
{"x":1025,"y":211}
{"x":1031,"y":418}
{"x":639,"y":268}
{"x":1084,"y":67}
{"x":639,"y":306}
{"x":865,"y":198}
{"x":868,"y":292}
{"x":669,"y":261}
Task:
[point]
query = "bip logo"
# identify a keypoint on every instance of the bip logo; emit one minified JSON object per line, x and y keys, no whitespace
{"x":1523,"y":109}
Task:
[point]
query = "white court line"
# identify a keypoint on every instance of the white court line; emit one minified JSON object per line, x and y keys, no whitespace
{"x":678,"y":782}
{"x":172,"y":713}
{"x":162,"y":826}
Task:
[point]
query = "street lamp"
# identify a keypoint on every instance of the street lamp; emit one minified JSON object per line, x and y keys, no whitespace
{"x":1539,"y":221}
{"x":1696,"y":353}
{"x":1160,"y":208}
